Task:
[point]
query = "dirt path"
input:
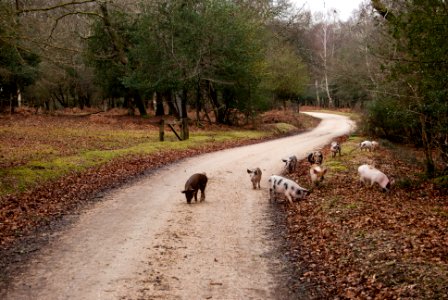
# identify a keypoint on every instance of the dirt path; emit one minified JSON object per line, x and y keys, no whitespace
{"x":144,"y":242}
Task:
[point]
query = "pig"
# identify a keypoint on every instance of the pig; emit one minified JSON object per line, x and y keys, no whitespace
{"x":290,"y":163}
{"x":335,"y":148}
{"x":315,"y":157}
{"x":317,"y":174}
{"x":366,"y":145}
{"x":289,"y":188}
{"x":255,"y":177}
{"x":369,"y":174}
{"x":196,"y":182}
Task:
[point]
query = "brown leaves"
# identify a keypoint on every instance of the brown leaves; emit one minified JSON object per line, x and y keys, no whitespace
{"x":21,"y":214}
{"x":355,"y":242}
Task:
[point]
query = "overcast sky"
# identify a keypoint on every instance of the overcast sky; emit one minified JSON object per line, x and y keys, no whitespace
{"x":343,"y":7}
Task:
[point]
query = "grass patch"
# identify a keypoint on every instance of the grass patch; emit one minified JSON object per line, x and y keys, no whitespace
{"x":29,"y":156}
{"x":331,"y":203}
{"x":335,"y":165}
{"x":280,"y":128}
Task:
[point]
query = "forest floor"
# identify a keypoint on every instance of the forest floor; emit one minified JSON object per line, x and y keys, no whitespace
{"x":350,"y":241}
{"x":345,"y":241}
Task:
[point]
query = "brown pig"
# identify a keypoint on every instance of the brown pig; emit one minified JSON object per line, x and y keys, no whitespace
{"x":196,"y":182}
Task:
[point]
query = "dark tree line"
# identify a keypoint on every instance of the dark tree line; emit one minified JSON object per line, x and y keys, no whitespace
{"x":228,"y":59}
{"x":210,"y":55}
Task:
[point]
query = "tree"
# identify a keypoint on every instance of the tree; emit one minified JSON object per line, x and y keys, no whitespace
{"x":211,"y":48}
{"x":18,"y":65}
{"x":287,"y":75}
{"x":108,"y":50}
{"x":416,"y":81}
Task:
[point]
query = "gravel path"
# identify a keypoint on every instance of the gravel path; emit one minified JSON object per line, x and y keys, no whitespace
{"x":145,"y":242}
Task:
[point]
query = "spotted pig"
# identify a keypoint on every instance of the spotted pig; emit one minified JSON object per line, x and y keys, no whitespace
{"x":287,"y":187}
{"x":315,"y":157}
{"x":290,"y":163}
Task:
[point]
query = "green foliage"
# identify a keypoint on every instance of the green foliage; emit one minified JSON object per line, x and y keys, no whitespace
{"x":18,"y":66}
{"x":101,"y":54}
{"x":203,"y":46}
{"x":441,"y":182}
{"x":287,"y":75}
{"x":181,"y":45}
{"x":386,"y":118}
{"x":416,"y":83}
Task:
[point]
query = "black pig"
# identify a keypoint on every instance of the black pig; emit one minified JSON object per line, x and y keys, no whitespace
{"x":194,"y":183}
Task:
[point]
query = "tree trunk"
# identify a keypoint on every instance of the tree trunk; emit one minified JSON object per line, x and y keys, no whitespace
{"x":325,"y":59}
{"x":19,"y":98}
{"x":117,"y":43}
{"x":160,"y":111}
{"x":11,"y":104}
{"x":316,"y":84}
{"x":198,"y":103}
{"x":217,"y":109}
{"x":128,"y":103}
{"x":430,"y":166}
{"x":168,"y":95}
{"x":139,"y":103}
{"x":185,"y":134}
{"x":327,"y":89}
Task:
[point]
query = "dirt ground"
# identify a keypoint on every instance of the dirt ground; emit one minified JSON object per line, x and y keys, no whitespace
{"x":143,"y":241}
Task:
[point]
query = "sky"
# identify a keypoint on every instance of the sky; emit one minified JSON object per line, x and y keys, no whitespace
{"x":343,"y":7}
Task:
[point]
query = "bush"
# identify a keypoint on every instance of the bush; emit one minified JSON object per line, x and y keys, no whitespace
{"x":386,"y":119}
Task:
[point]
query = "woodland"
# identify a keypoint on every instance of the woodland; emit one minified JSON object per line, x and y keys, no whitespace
{"x":226,"y":65}
{"x":227,"y":59}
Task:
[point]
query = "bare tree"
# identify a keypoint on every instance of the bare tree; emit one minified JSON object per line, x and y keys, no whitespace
{"x":325,"y":56}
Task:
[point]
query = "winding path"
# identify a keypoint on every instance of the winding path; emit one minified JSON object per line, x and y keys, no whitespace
{"x":144,"y":242}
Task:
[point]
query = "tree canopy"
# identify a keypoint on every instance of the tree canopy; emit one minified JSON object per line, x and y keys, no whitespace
{"x":412,"y":102}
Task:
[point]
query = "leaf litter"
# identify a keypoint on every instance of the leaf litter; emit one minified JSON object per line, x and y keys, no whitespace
{"x":349,"y":241}
{"x":346,"y":241}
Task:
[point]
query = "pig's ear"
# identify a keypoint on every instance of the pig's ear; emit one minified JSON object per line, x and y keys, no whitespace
{"x":249,"y":171}
{"x":183,"y":192}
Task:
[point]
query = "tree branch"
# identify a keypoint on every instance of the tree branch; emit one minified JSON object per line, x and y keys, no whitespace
{"x":22,"y":11}
{"x":53,"y":28}
{"x":383,"y":10}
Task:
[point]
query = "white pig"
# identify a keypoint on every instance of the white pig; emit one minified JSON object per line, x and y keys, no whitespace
{"x":366,"y":145}
{"x":370,"y":175}
{"x":317,"y":174}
